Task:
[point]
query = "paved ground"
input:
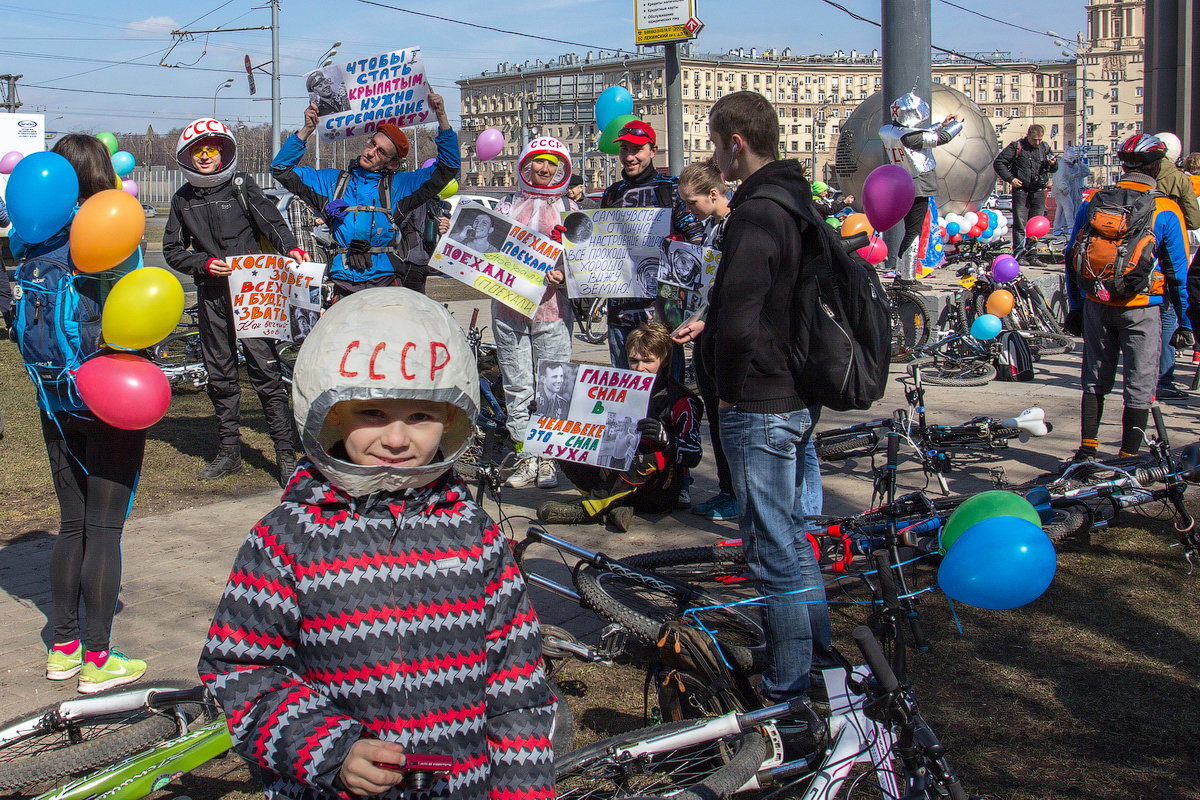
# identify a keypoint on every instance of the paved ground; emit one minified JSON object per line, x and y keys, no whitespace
{"x":176,"y":564}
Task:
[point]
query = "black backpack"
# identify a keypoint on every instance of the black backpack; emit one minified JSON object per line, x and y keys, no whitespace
{"x":841,"y":322}
{"x":1014,"y":359}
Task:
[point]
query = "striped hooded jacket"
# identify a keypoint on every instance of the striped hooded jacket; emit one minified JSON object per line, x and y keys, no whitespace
{"x":398,"y":616}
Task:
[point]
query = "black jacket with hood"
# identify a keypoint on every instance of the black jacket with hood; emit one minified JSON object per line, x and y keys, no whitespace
{"x":743,"y":343}
{"x":1026,"y":162}
{"x":208,"y":223}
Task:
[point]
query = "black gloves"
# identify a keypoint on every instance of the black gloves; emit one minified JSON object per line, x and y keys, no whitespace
{"x":1074,"y":323}
{"x":1182,"y":339}
{"x":358,"y":254}
{"x":654,"y":432}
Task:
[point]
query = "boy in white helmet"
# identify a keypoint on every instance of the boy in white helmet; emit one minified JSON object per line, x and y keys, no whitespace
{"x":219,"y":213}
{"x":378,"y":613}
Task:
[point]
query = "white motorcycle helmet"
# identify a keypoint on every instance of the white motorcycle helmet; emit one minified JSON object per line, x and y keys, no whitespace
{"x":388,"y":343}
{"x":207,"y":131}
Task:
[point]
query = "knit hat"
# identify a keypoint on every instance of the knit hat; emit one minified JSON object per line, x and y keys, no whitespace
{"x":396,"y":135}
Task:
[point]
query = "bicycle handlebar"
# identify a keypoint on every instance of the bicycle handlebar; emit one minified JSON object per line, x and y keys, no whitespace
{"x":876,"y":660}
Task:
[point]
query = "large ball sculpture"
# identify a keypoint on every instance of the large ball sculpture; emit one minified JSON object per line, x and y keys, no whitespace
{"x":964,"y":166}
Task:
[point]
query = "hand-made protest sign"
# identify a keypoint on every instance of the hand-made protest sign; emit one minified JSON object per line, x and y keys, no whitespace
{"x":274,"y":297}
{"x":613,"y":252}
{"x":354,"y":97}
{"x":685,"y":275}
{"x":599,"y":426}
{"x":497,"y":256}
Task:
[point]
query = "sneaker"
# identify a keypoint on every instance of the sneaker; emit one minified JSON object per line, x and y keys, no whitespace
{"x":621,"y":518}
{"x":1170,"y":393}
{"x":904,"y":283}
{"x":723,"y":506}
{"x":227,"y":462}
{"x":547,"y":473}
{"x":286,"y":461}
{"x":61,"y":664}
{"x":684,"y":498}
{"x":117,"y":670}
{"x":1083,"y":454}
{"x":526,"y":474}
{"x":553,"y":513}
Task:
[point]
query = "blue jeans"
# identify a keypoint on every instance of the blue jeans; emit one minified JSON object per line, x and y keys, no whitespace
{"x":1166,"y":357}
{"x":771,"y":473}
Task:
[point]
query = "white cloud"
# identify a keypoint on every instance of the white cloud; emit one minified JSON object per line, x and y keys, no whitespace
{"x":151,"y":26}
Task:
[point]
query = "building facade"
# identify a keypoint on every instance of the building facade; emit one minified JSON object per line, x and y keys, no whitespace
{"x":812,"y":94}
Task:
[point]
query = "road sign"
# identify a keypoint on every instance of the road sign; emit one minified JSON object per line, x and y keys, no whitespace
{"x":661,"y":21}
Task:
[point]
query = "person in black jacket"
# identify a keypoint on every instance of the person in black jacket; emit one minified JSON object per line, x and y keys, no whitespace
{"x":208,"y":223}
{"x":766,"y":425}
{"x":1027,"y":164}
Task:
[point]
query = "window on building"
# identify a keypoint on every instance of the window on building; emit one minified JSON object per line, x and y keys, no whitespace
{"x":1114,"y":110}
{"x":1139,"y":108}
{"x":999,"y":80}
{"x":808,"y":146}
{"x":1038,"y":97}
{"x":833,"y":81}
{"x":1138,"y":91}
{"x":998,"y":112}
{"x":953,"y":80}
{"x":795,"y":129}
{"x":1014,"y":112}
{"x":769,"y":78}
{"x":937,"y":79}
{"x":967,"y":94}
{"x":833,"y":129}
{"x":795,"y":146}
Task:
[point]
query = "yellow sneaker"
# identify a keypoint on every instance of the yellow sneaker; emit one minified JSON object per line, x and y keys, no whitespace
{"x":117,"y":670}
{"x":60,"y":665}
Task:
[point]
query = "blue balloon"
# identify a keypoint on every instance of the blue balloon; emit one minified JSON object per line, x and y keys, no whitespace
{"x":41,"y":195}
{"x":986,"y":326}
{"x":613,"y":102}
{"x":122,"y":162}
{"x":953,"y":228}
{"x":998,"y":563}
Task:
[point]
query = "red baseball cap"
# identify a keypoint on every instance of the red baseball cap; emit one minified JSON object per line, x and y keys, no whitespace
{"x":637,"y":132}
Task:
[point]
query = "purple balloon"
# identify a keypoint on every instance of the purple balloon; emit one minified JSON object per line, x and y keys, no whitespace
{"x":429,"y":162}
{"x":1005,"y":268}
{"x":888,"y":194}
{"x":129,"y":186}
{"x":9,"y":161}
{"x":489,"y":144}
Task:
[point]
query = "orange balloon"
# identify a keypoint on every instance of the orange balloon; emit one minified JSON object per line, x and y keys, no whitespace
{"x":857,"y":223}
{"x":1000,"y":302}
{"x":107,"y":229}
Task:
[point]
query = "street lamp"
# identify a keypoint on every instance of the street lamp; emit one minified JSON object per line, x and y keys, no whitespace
{"x":224,"y":85}
{"x":324,"y":60}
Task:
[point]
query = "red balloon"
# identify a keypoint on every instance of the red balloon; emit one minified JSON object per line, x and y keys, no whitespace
{"x":875,"y":252}
{"x":1037,"y":226}
{"x":124,"y":390}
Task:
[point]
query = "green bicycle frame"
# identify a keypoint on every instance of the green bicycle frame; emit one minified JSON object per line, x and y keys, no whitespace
{"x":150,"y":770}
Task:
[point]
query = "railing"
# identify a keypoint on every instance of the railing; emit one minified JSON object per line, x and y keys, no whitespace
{"x":157,"y":186}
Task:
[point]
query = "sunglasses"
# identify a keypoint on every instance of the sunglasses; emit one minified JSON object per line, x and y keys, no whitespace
{"x":212,"y":151}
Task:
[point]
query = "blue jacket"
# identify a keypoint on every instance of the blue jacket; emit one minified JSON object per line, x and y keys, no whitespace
{"x":409,"y":190}
{"x":1169,"y":278}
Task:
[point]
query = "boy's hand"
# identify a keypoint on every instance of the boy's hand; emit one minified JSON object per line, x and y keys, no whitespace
{"x":653,"y":431}
{"x":555,"y":278}
{"x":361,"y":776}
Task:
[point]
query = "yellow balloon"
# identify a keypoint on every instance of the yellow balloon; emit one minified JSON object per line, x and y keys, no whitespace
{"x":1000,"y":302}
{"x":142,"y":308}
{"x":106,"y":230}
{"x":449,"y":190}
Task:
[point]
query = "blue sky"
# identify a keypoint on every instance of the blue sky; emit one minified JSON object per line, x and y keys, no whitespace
{"x":96,"y":66}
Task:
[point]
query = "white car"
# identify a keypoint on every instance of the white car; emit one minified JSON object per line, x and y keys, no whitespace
{"x":487,"y":201}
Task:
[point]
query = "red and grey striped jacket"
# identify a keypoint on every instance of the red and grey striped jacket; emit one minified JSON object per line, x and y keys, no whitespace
{"x":392,"y":616}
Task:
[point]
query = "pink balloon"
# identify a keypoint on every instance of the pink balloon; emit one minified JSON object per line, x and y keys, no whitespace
{"x":129,"y":186}
{"x":875,"y":252}
{"x":429,"y":162}
{"x":9,"y":161}
{"x":888,"y":194}
{"x":489,"y":144}
{"x":1037,"y":226}
{"x":124,"y":390}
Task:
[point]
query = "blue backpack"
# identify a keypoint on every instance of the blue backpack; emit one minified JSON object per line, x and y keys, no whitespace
{"x":57,"y":325}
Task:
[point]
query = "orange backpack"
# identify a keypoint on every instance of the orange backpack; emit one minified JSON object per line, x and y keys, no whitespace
{"x":1112,"y":256}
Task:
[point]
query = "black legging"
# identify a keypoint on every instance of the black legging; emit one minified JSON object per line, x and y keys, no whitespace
{"x":86,"y":559}
{"x":913,"y":221}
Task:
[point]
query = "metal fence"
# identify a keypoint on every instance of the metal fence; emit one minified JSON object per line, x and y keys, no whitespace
{"x":157,"y":186}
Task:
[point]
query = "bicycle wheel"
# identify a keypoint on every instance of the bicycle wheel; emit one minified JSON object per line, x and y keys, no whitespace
{"x":180,"y":359}
{"x":563,"y":738}
{"x":592,"y":320}
{"x":642,"y":609}
{"x":712,"y":769}
{"x":1043,"y":343}
{"x":1067,"y":522}
{"x":955,"y":372}
{"x":287,"y":352}
{"x":910,"y":323}
{"x":78,"y":746}
{"x":833,"y":448}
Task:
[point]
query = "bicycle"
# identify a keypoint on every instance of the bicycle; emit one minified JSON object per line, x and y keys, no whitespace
{"x":876,"y":721}
{"x":180,"y":358}
{"x":930,"y":443}
{"x":1030,"y":315}
{"x":591,"y":315}
{"x":490,"y":425}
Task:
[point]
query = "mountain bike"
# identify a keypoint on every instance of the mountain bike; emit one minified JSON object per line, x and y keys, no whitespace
{"x":180,"y":358}
{"x":591,"y":315}
{"x":875,"y":743}
{"x":1031,"y":315}
{"x":931,"y":444}
{"x":491,"y":432}
{"x":910,"y":322}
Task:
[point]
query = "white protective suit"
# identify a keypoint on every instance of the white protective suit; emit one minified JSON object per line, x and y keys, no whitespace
{"x":1067,"y":189}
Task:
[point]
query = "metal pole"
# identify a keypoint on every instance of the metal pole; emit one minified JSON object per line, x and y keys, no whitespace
{"x":674,"y":108}
{"x":276,"y":131}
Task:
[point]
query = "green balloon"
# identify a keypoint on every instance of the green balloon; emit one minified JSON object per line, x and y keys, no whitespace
{"x":833,"y":222}
{"x":608,"y":143}
{"x":985,"y":505}
{"x":110,"y":142}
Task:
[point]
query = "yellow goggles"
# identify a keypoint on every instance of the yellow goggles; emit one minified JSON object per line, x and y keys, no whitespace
{"x":210,"y":150}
